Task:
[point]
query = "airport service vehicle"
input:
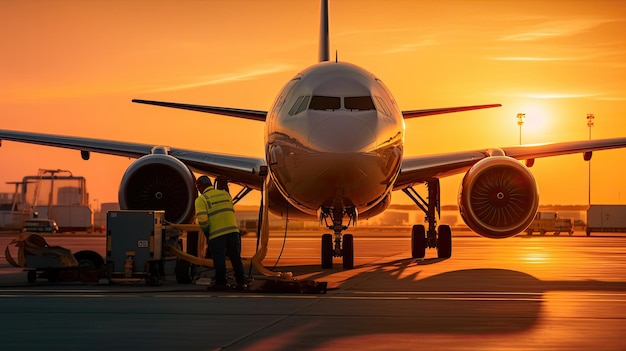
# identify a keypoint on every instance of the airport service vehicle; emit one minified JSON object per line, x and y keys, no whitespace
{"x":69,"y":218}
{"x":40,"y":225}
{"x":334,"y":151}
{"x":606,"y":218}
{"x":550,"y":222}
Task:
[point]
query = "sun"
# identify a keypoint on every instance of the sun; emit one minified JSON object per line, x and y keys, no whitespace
{"x":537,"y":122}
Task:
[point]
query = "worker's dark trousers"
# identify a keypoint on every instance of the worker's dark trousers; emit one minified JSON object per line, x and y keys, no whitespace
{"x":227,"y":244}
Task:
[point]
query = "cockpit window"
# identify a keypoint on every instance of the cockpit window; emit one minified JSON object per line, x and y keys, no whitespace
{"x":325,"y":103}
{"x":360,"y":103}
{"x":381,"y":106}
{"x":300,"y":105}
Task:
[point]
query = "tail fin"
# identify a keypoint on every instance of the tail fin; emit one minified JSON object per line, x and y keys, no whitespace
{"x":324,"y":42}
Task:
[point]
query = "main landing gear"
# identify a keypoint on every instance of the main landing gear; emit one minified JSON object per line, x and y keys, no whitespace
{"x":420,"y":237}
{"x":337,"y":250}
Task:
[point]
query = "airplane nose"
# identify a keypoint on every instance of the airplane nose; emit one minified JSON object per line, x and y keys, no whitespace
{"x":343,"y":133}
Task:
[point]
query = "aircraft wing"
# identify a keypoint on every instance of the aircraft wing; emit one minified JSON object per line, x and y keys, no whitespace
{"x":418,"y":169}
{"x":226,"y":111}
{"x":442,"y":110}
{"x":238,"y":169}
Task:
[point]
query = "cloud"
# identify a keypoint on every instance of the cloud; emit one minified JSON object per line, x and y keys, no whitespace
{"x":547,"y":95}
{"x":394,"y":38}
{"x":519,"y":58}
{"x":408,"y":47}
{"x":368,"y":32}
{"x":224,"y":78}
{"x":612,"y":98}
{"x":569,"y":54}
{"x":554,"y":95}
{"x":552,"y":29}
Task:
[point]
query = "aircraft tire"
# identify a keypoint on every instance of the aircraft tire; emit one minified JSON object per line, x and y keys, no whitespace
{"x":327,"y":251}
{"x":444,"y":242}
{"x":348,"y":251}
{"x":418,"y":241}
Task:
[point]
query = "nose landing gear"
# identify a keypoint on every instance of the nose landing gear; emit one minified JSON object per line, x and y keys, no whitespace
{"x":346,"y":251}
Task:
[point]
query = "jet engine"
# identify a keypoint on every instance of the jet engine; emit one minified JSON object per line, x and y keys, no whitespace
{"x":498,"y":197}
{"x":159,"y":182}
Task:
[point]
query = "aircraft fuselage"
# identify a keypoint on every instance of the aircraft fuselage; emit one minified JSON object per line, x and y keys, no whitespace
{"x":334,"y":138}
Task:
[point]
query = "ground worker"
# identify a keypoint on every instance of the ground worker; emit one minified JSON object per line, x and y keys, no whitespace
{"x":216,"y":217}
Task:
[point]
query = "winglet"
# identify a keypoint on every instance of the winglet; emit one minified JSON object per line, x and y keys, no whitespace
{"x":324,"y":41}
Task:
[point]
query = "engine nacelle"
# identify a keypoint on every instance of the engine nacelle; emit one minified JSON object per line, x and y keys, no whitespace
{"x":498,"y":197}
{"x":159,"y":182}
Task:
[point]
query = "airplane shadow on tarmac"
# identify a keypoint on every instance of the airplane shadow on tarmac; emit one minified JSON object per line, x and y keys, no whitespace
{"x":467,"y":301}
{"x":403,"y":275}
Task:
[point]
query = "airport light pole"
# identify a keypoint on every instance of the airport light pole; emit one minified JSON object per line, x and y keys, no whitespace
{"x":590,"y":118}
{"x":520,"y":123}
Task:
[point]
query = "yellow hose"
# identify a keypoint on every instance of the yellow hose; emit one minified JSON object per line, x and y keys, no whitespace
{"x":256,"y":260}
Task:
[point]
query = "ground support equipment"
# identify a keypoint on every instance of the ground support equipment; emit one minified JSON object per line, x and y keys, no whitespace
{"x":54,"y":263}
{"x":134,"y":247}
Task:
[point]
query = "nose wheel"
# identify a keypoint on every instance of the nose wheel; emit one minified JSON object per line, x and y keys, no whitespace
{"x":346,"y":252}
{"x":341,"y":246}
{"x":327,"y":251}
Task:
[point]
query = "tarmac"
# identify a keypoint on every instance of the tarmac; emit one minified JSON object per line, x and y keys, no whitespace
{"x":521,"y":293}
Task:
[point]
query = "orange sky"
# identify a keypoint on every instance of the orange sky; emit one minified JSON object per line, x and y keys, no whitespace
{"x":72,"y":67}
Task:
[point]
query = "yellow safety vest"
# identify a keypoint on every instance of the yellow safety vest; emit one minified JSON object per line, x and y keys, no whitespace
{"x":215,"y":213}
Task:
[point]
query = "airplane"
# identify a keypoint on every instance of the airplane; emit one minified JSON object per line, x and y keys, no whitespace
{"x":334,"y":140}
